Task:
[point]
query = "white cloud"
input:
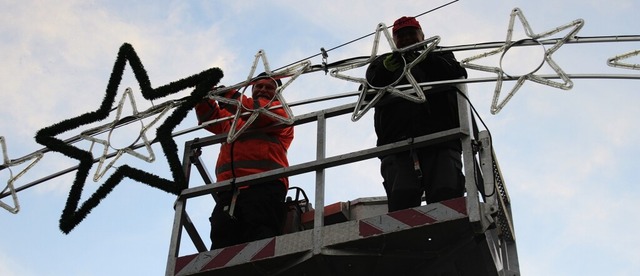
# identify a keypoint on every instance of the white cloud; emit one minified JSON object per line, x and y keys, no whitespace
{"x":568,"y":156}
{"x":9,"y":267}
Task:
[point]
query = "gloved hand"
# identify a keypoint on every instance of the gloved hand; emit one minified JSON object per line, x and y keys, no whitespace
{"x":213,"y":89}
{"x":393,"y":62}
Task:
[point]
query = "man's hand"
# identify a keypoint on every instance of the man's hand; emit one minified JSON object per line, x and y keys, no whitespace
{"x":393,"y":62}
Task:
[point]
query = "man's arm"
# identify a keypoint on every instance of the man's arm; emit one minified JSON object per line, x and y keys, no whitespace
{"x":443,"y":66}
{"x":378,"y":75}
{"x":208,"y":110}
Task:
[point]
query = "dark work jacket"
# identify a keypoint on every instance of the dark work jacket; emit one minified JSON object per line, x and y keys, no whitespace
{"x":398,"y":119}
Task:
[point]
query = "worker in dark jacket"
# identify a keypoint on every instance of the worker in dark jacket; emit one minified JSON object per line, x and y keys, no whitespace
{"x":435,"y":170}
{"x":259,"y":209}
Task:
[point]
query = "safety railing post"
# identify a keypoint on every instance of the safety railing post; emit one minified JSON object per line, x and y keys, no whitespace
{"x":318,"y":221}
{"x":473,"y":199}
{"x":176,"y":234}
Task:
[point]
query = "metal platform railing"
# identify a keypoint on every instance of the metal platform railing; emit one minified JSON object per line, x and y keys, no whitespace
{"x":487,"y":202}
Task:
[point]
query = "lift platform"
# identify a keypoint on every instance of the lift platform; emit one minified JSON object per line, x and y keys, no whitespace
{"x":426,"y":239}
{"x":471,"y":235}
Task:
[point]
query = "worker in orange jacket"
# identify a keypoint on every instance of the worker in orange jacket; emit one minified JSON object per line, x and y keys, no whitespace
{"x":259,"y":210}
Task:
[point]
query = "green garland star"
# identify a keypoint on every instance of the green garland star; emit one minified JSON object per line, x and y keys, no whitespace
{"x":71,"y":214}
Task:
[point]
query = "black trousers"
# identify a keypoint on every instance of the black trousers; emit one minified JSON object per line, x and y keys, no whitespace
{"x":259,"y":213}
{"x":439,"y":177}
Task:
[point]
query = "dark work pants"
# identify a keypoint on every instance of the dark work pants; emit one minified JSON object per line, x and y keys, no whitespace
{"x":259,"y":213}
{"x":441,"y":177}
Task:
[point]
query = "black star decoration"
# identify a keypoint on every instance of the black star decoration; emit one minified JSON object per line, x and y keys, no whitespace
{"x":71,"y":214}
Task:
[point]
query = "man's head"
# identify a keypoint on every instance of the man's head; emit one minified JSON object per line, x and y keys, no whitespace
{"x":407,"y":31}
{"x":264,"y":86}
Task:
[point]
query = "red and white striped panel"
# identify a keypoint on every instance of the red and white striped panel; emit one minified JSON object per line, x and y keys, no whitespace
{"x":228,"y":256}
{"x":404,"y":219}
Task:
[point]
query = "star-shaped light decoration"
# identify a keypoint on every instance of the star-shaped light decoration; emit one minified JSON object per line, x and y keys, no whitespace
{"x":292,"y":72}
{"x":7,"y":164}
{"x":616,"y":61}
{"x":425,"y":46}
{"x":565,"y":85}
{"x":72,"y":215}
{"x":136,"y":116}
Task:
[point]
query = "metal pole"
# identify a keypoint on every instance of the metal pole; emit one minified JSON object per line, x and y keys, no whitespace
{"x":318,"y":219}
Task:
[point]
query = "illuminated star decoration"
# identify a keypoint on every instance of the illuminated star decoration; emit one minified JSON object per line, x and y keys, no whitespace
{"x":419,"y":97}
{"x":118,"y":121}
{"x":565,"y":85}
{"x":615,"y":61}
{"x":7,"y":164}
{"x":292,"y":71}
{"x":71,"y":214}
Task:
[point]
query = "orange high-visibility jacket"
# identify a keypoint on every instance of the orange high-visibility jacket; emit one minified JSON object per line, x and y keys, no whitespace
{"x":250,"y":153}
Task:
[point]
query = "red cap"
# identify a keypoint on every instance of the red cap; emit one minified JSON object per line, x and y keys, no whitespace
{"x":404,"y":22}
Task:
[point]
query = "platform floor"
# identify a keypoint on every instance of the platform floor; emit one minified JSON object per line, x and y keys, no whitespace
{"x":435,"y":239}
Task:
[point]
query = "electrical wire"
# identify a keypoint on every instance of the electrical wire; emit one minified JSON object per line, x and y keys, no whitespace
{"x":323,"y":52}
{"x":484,"y":194}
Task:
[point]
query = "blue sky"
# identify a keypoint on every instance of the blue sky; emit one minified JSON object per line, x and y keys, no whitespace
{"x":569,"y":157}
